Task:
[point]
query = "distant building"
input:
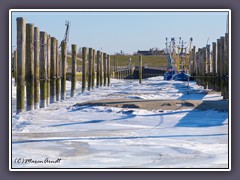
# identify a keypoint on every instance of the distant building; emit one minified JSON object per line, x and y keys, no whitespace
{"x":151,"y":52}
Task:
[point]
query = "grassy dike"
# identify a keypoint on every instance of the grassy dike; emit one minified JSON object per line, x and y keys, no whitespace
{"x":156,"y":61}
{"x":122,"y":60}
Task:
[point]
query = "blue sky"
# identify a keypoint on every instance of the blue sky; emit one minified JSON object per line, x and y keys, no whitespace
{"x":112,"y":32}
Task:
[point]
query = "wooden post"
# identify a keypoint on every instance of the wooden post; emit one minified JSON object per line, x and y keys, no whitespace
{"x":108,"y":70}
{"x":197,"y":67}
{"x":48,"y":67}
{"x":218,"y":65}
{"x":64,"y":69}
{"x":222,"y":66}
{"x":21,"y":56}
{"x":36,"y":67}
{"x":140,"y":69}
{"x":226,"y":66}
{"x":43,"y":69}
{"x":101,"y":69}
{"x":73,"y":77}
{"x":98,"y":68}
{"x":90,"y":57}
{"x":104,"y":69}
{"x":30,"y":66}
{"x":208,"y":67}
{"x":84,"y":59}
{"x":200,"y":67}
{"x":208,"y":58}
{"x":58,"y":79}
{"x":15,"y":67}
{"x":194,"y":60}
{"x":205,"y":67}
{"x":214,"y":70}
{"x":114,"y":68}
{"x":59,"y":72}
{"x":53,"y":71}
{"x":93,"y":69}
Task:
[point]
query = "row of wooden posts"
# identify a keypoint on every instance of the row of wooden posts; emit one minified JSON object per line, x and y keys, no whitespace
{"x":210,"y":67}
{"x":122,"y":73}
{"x":39,"y":68}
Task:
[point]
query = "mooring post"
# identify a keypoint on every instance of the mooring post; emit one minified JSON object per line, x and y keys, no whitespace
{"x":101,"y":69}
{"x":58,"y":79}
{"x":36,"y":67}
{"x":222,"y":66}
{"x":214,"y":70}
{"x":198,"y":60}
{"x":73,"y":77}
{"x":48,"y":49}
{"x":194,"y":61}
{"x":104,"y":69}
{"x":64,"y":69}
{"x":43,"y":64}
{"x":53,"y":71}
{"x":108,"y":70}
{"x":21,"y":56}
{"x":114,"y":68}
{"x":98,"y":69}
{"x":30,"y":66}
{"x":90,"y":57}
{"x":205,"y":67}
{"x":201,"y":78}
{"x":93,"y":68}
{"x":208,"y":67}
{"x":197,"y":67}
{"x":12,"y":65}
{"x":15,"y":67}
{"x":218,"y":65}
{"x":226,"y":66}
{"x":84,"y":59}
{"x":140,"y":69}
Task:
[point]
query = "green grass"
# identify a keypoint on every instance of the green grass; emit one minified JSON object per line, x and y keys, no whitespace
{"x":156,"y":61}
{"x":78,"y":74}
{"x":122,"y":60}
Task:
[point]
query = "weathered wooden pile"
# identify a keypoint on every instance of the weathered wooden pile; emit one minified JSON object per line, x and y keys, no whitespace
{"x":39,"y":69}
{"x":210,"y":67}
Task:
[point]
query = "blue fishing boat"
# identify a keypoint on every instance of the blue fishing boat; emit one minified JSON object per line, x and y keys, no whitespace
{"x":172,"y":72}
